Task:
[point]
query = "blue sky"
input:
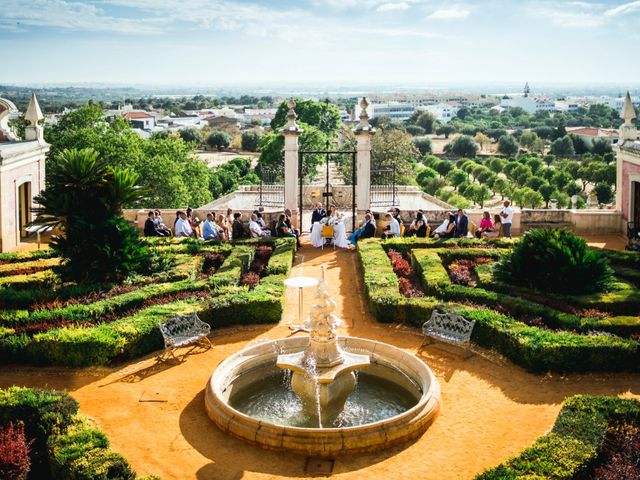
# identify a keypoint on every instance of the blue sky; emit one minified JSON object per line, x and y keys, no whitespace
{"x":412,"y":42}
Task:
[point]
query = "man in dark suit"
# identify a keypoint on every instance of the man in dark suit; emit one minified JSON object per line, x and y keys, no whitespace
{"x":462,"y":224}
{"x":318,"y":214}
{"x":368,"y":230}
{"x":237,"y":229}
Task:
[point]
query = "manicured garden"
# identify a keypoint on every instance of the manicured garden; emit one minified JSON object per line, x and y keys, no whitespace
{"x":572,"y":329}
{"x":48,"y":321}
{"x":593,"y":437}
{"x":43,"y":436}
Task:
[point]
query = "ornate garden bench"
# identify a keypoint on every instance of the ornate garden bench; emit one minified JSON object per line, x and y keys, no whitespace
{"x":449,"y":328}
{"x":183,"y":330}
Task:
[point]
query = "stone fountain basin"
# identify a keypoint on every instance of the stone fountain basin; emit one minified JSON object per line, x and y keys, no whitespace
{"x":236,"y":372}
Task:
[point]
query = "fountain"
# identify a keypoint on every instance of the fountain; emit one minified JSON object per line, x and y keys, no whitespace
{"x":323,"y":374}
{"x":323,"y":394}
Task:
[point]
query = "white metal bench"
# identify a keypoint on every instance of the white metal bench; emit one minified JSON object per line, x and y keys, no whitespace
{"x":448,"y":328}
{"x":183,"y":330}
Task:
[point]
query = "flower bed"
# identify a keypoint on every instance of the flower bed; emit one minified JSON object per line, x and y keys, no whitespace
{"x":577,"y":446}
{"x":63,"y":444}
{"x":95,"y":326}
{"x":534,"y":335}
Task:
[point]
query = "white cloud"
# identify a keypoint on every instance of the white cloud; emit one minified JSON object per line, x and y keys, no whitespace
{"x":450,"y":13}
{"x":624,"y":8}
{"x":392,"y":6}
{"x":71,"y":16}
{"x":580,"y":14}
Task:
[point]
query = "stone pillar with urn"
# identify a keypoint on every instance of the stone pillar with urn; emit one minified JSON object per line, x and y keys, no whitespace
{"x":291,"y":132}
{"x":364,"y":134}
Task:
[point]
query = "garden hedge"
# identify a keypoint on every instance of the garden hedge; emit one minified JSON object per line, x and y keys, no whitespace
{"x":65,"y":445}
{"x":534,"y":348}
{"x":572,"y":448}
{"x":222,"y":301}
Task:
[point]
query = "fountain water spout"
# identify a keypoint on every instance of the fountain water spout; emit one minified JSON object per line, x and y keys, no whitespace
{"x":323,"y":374}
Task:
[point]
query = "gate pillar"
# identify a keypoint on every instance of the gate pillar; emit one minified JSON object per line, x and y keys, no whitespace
{"x":364,"y":133}
{"x":291,"y":132}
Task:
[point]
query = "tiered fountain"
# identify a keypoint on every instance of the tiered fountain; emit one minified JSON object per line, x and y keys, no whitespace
{"x":323,"y":394}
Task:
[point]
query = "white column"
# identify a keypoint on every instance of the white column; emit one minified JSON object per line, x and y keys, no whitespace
{"x":364,"y":133}
{"x":291,"y":132}
{"x":291,"y":169}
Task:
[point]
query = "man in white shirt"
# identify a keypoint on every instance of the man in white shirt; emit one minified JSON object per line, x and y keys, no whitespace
{"x":255,"y":229}
{"x":182,"y":227}
{"x":507,"y":219}
{"x":394,"y":227}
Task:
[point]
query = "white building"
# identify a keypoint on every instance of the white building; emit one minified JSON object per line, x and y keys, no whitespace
{"x":444,"y":112}
{"x":141,"y":120}
{"x":22,"y":172}
{"x":530,"y":105}
{"x":394,"y":110}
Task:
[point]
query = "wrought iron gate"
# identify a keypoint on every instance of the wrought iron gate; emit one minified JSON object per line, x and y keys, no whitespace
{"x":383,"y":190}
{"x":271,"y":187}
{"x":345,"y":158}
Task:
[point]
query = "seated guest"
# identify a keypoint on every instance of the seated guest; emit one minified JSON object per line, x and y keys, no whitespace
{"x":287,"y":214}
{"x":418,"y":227}
{"x":356,"y":234}
{"x":368,"y":230}
{"x":150,"y":228}
{"x":176,"y":220}
{"x":237,"y":229}
{"x":255,"y":229}
{"x":318,"y":214}
{"x":496,"y":232}
{"x":394,"y":227}
{"x":183,"y":228}
{"x":462,"y":224}
{"x":260,"y":220}
{"x":210,"y":231}
{"x":486,"y":225}
{"x":447,"y":229}
{"x":282,"y":229}
{"x":160,"y":226}
{"x":225,"y":233}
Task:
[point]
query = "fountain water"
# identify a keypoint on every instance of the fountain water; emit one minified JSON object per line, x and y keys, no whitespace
{"x":300,"y":394}
{"x":323,"y":375}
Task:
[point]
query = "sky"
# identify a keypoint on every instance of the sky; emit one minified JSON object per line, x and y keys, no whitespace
{"x":333,"y":42}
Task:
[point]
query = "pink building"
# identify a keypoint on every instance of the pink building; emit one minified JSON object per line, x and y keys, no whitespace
{"x":628,"y":158}
{"x":22,"y":169}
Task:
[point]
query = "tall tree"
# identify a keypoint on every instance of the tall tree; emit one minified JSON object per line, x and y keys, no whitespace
{"x":84,"y":199}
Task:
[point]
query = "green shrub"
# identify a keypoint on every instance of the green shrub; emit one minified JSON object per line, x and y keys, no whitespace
{"x":572,"y":448}
{"x":83,"y":453}
{"x":66,"y":446}
{"x":555,"y":260}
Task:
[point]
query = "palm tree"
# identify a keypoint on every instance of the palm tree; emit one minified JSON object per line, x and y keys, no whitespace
{"x":84,"y":200}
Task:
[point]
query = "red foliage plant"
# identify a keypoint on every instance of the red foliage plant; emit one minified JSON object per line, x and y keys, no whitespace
{"x":401,"y":267}
{"x":251,"y":279}
{"x":621,"y":454}
{"x":14,"y":453}
{"x":212,"y":262}
{"x":462,"y":272}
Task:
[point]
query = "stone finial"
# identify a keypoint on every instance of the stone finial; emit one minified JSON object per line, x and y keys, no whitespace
{"x":364,"y":125}
{"x":291,"y":125}
{"x":33,"y":114}
{"x":628,"y":113}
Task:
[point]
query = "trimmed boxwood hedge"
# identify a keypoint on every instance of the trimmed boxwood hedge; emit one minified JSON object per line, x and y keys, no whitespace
{"x":572,"y":448}
{"x":65,"y":445}
{"x":138,"y":334}
{"x":534,"y":348}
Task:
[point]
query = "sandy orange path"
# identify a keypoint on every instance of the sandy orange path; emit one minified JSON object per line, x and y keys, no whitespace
{"x":490,"y":410}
